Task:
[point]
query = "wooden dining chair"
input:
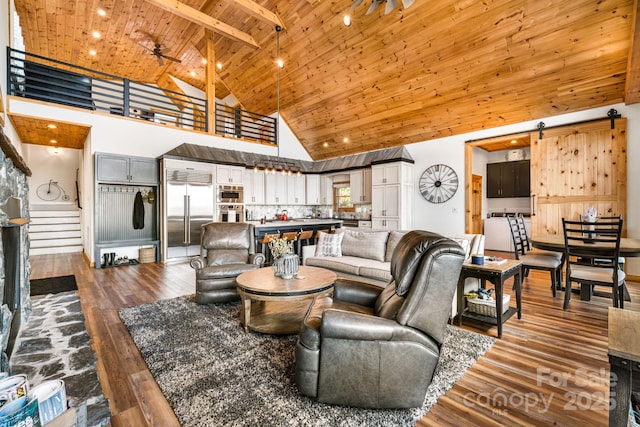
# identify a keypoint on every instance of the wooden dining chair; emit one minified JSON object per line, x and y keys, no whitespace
{"x":600,"y":240}
{"x":264,"y":244}
{"x":534,"y":260}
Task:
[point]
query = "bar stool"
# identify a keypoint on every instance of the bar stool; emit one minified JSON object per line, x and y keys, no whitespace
{"x":292,"y":236}
{"x":304,"y":238}
{"x":264,"y":242}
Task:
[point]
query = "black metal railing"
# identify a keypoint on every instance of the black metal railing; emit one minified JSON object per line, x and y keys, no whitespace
{"x":37,"y":77}
{"x":244,"y":124}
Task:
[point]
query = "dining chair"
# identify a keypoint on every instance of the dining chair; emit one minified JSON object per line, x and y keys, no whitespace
{"x":621,"y":260}
{"x":534,"y":260}
{"x":601,"y":240}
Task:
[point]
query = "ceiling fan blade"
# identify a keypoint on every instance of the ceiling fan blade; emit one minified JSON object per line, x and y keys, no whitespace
{"x":356,"y":4}
{"x":150,"y":50}
{"x":170,"y":58}
{"x":160,"y":61}
{"x":391,"y":4}
{"x":374,"y":5}
{"x":407,"y":3}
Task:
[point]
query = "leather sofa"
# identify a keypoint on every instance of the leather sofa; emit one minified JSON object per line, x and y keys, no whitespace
{"x":227,"y":250}
{"x":378,"y":348}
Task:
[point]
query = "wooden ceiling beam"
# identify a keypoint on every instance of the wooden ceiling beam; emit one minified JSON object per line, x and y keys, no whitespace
{"x":260,"y":12}
{"x":187,"y":12}
{"x":632,"y":83}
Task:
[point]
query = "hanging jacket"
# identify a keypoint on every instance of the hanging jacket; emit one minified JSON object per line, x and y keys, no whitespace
{"x":138,"y":212}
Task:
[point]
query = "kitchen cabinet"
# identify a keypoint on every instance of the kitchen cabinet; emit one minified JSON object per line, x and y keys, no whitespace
{"x":112,"y":168}
{"x":295,"y":189}
{"x":508,"y":179}
{"x":392,"y":203}
{"x":253,"y":187}
{"x":226,"y":174}
{"x":312,"y":186}
{"x":389,"y":173}
{"x":275,"y":189}
{"x":326,"y":190}
{"x":497,"y":234}
{"x":360,"y":183}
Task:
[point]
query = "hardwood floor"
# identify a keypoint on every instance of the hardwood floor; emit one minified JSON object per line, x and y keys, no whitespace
{"x":550,"y":367}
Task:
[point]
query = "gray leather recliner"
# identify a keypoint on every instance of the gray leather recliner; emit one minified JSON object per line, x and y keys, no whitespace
{"x":227,"y":250}
{"x":374,"y":348}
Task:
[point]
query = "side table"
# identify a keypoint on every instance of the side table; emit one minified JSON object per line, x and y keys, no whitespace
{"x":496,"y":274}
{"x":624,"y":357}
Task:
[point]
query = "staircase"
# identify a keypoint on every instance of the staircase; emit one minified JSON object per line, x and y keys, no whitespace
{"x":54,"y":231}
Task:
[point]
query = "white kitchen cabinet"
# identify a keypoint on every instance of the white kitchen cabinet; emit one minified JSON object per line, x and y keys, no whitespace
{"x":360,"y":183}
{"x":326,"y":190}
{"x":389,"y":173}
{"x":226,"y":174}
{"x":497,"y":234}
{"x":312,"y":186}
{"x":295,"y":189}
{"x":275,"y":189}
{"x":392,"y":203}
{"x":253,"y":187}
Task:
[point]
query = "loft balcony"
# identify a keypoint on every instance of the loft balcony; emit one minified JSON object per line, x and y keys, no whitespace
{"x":36,"y":77}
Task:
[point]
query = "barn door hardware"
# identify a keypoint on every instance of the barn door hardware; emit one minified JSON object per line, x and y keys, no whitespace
{"x":541,"y":126}
{"x":613,"y":115}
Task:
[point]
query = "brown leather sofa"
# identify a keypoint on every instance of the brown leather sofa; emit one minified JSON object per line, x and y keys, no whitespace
{"x":378,"y":348}
{"x":227,"y":250}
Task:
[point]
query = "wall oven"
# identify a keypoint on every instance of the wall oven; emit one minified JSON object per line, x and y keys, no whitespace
{"x":230,"y":194}
{"x":230,"y":213}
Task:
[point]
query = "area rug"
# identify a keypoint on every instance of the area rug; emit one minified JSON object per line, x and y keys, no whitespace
{"x":213,"y":373}
{"x":54,"y":344}
{"x":53,"y":285}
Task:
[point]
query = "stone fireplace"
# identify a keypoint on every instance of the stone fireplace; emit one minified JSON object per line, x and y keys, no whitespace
{"x":14,"y":250}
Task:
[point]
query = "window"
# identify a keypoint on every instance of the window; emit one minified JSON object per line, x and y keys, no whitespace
{"x":342,"y":197}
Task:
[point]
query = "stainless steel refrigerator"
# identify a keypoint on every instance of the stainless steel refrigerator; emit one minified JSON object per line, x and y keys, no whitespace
{"x":190,"y":203}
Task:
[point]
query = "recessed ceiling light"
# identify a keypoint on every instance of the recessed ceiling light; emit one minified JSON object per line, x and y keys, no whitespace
{"x":96,"y":34}
{"x":102,"y":12}
{"x":51,"y":126}
{"x":345,"y":139}
{"x":53,"y":141}
{"x":92,"y":52}
{"x":513,"y":141}
{"x":219,"y":65}
{"x":280,"y":62}
{"x":204,"y":61}
{"x":347,"y":20}
{"x":193,"y":73}
{"x":326,"y":144}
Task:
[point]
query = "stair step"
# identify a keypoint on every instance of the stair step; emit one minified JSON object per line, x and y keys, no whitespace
{"x":53,"y":214}
{"x":57,"y":250}
{"x":58,"y":220}
{"x":62,"y":234}
{"x":56,"y":243}
{"x":39,"y":228}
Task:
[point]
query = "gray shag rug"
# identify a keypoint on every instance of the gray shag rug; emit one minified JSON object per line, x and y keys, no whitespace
{"x":213,"y":373}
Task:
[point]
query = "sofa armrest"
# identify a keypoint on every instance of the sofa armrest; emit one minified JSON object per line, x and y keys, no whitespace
{"x":308,"y":251}
{"x":257,"y":259}
{"x":347,"y":325}
{"x":198,"y":262}
{"x":355,"y":292}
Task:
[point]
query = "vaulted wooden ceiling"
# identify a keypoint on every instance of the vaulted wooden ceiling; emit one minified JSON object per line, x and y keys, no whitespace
{"x":438,"y":68}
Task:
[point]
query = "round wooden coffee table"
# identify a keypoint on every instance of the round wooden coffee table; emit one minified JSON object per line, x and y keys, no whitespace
{"x":277,"y":306}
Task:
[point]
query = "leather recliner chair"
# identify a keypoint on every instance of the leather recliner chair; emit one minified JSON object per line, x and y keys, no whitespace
{"x":227,"y":250}
{"x":374,"y":348}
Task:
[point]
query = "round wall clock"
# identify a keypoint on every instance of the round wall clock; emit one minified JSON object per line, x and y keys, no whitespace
{"x":438,"y":183}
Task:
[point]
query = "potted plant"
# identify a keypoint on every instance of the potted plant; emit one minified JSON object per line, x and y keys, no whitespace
{"x":285,"y":262}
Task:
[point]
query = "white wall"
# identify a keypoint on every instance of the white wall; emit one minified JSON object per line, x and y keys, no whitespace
{"x":46,"y":165}
{"x":449,"y":217}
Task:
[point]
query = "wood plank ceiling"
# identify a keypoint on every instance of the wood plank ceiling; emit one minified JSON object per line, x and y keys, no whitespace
{"x":439,"y":68}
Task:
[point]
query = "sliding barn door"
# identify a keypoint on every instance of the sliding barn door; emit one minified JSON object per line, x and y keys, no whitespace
{"x":574,"y":167}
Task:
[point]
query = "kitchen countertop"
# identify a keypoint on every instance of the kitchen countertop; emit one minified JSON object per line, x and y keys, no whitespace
{"x":296,"y":222}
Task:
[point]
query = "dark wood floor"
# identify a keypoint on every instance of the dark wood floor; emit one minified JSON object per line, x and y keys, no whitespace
{"x":550,"y":367}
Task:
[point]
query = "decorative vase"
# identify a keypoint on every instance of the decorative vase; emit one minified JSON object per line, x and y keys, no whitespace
{"x":290,"y":266}
{"x":278,"y":267}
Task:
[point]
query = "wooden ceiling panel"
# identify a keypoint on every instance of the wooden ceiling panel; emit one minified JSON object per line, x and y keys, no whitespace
{"x":53,"y":133}
{"x":439,"y":68}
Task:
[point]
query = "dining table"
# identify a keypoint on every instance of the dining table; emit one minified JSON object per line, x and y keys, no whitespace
{"x":629,"y":247}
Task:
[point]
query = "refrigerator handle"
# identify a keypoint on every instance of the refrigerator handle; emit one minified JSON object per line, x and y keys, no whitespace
{"x":186,"y":220}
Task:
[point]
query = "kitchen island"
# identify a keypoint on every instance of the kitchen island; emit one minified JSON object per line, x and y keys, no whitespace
{"x":299,"y":224}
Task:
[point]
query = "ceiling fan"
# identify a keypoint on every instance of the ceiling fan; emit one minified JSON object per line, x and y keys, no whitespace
{"x":157,"y":51}
{"x":391,"y":4}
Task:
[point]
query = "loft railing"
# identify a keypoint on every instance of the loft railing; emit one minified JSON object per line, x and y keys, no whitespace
{"x":37,"y":77}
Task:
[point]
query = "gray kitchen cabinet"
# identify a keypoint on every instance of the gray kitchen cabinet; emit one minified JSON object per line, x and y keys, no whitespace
{"x":113,"y":168}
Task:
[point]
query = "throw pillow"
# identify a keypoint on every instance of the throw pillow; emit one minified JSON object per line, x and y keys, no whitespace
{"x":465,"y":243}
{"x":394,"y":238}
{"x":365,"y":244}
{"x":329,"y":244}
